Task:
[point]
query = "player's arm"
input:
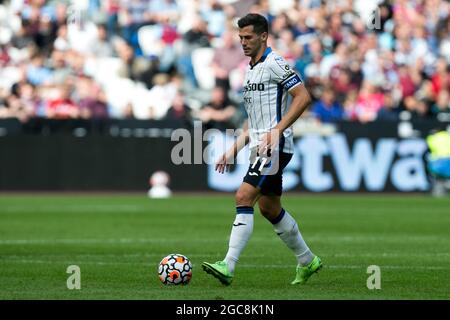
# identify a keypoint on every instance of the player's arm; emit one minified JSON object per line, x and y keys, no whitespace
{"x":300,"y":102}
{"x":227,"y":159}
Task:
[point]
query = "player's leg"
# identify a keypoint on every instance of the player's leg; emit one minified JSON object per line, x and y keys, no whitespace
{"x":287,"y":229}
{"x":241,"y":231}
{"x":284,"y":224}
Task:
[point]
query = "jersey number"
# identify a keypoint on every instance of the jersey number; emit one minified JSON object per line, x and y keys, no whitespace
{"x":263,"y":162}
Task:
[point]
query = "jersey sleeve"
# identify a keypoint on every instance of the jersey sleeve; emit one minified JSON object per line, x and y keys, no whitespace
{"x":283,"y":74}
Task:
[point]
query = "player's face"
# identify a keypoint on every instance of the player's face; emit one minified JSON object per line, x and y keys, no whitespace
{"x":251,"y":42}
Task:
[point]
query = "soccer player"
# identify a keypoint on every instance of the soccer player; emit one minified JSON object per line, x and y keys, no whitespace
{"x":268,"y":81}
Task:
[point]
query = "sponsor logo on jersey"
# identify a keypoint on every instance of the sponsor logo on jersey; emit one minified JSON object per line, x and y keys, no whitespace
{"x":254,"y":87}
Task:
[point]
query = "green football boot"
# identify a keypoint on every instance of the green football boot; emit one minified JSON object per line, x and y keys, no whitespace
{"x":219,"y":270}
{"x":303,"y":273}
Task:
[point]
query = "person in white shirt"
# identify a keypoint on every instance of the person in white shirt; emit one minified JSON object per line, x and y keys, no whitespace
{"x":269,"y":81}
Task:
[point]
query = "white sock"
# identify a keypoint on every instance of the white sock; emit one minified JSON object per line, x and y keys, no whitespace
{"x":240,"y":234}
{"x":287,"y":229}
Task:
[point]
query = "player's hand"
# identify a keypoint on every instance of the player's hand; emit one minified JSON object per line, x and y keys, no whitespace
{"x":224,"y":163}
{"x":269,"y":142}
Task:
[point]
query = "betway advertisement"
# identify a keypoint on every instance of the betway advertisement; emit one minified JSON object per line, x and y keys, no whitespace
{"x":336,"y":163}
{"x":124,"y":155}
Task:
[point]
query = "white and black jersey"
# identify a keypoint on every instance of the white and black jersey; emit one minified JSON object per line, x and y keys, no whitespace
{"x":266,"y":87}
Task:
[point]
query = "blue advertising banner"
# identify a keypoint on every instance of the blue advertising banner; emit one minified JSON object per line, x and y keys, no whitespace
{"x":121,"y":156}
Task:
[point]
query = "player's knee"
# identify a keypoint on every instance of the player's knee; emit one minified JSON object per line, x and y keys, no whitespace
{"x":243,"y":198}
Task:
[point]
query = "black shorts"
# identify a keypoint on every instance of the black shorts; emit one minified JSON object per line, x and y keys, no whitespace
{"x":270,"y":184}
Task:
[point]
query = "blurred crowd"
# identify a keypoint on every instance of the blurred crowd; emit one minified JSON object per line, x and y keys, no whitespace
{"x":181,"y":60}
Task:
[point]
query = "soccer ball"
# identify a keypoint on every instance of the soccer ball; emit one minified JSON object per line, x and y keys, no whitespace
{"x":175,"y":269}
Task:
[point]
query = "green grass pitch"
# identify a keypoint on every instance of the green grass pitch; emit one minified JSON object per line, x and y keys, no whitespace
{"x":118,"y":241}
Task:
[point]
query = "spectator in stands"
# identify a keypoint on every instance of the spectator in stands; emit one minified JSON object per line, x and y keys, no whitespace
{"x":128,"y":112}
{"x":14,"y":109}
{"x":196,"y":37}
{"x":327,"y":41}
{"x":161,"y":95}
{"x":350,"y":106}
{"x":286,"y":45}
{"x":418,"y":108}
{"x":215,"y":16}
{"x":112,"y":8}
{"x":62,"y":42}
{"x":441,"y":77}
{"x":161,"y":11}
{"x":132,"y":15}
{"x":442,"y":104}
{"x":61,"y":71}
{"x":441,"y":40}
{"x":133,"y":67}
{"x":91,"y":99}
{"x":102,"y":47}
{"x":369,"y":102}
{"x":327,"y":108}
{"x":337,"y":59}
{"x":4,"y":56}
{"x":22,"y":38}
{"x":76,"y":62}
{"x":46,"y":34}
{"x":218,"y":113}
{"x":280,"y":23}
{"x":61,"y":106}
{"x":28,"y":98}
{"x":390,"y":110}
{"x":226,"y":58}
{"x":37,"y":72}
{"x":20,"y":105}
{"x":312,"y":74}
{"x":169,"y":36}
{"x":179,"y":112}
{"x":356,"y":73}
{"x":342,"y":83}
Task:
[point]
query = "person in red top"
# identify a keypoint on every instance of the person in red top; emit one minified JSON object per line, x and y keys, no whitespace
{"x":4,"y":56}
{"x":407,"y":85}
{"x":441,"y":78}
{"x":61,"y":106}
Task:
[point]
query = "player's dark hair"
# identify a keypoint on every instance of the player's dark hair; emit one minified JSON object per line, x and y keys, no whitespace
{"x":258,"y":22}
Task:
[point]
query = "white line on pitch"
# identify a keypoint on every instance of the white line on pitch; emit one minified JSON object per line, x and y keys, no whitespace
{"x":243,"y":265}
{"x":353,"y":239}
{"x":247,"y":256}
